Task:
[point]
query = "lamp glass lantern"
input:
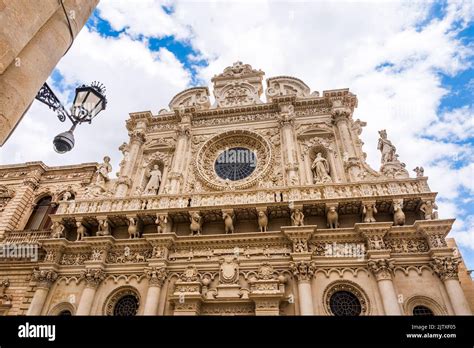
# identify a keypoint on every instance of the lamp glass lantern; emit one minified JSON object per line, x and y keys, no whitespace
{"x":88,"y":102}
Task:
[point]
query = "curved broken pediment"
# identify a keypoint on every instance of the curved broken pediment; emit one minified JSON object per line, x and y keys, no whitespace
{"x":197,"y":97}
{"x":286,"y":86}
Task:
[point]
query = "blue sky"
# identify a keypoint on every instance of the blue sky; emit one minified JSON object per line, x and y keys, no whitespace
{"x":410,"y":63}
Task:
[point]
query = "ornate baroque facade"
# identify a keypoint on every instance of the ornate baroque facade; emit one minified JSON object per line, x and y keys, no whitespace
{"x":242,"y":207}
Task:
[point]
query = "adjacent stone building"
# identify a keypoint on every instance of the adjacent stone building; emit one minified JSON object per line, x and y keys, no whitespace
{"x":242,"y":207}
{"x":34,"y":37}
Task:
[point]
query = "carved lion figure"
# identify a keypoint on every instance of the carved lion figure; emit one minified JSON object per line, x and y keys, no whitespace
{"x":332,"y":218}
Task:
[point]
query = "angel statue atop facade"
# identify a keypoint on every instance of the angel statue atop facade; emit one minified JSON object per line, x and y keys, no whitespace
{"x":103,"y":171}
{"x":320,"y":169}
{"x":154,"y":181}
{"x":387,"y":148}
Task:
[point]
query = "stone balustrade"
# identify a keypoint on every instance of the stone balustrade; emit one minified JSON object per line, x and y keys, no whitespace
{"x":25,"y":237}
{"x":337,"y":191}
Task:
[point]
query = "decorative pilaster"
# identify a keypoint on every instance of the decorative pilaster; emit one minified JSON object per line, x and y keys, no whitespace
{"x":446,"y":267}
{"x":178,"y":165}
{"x":137,"y":138}
{"x":383,"y":271}
{"x":93,"y":278}
{"x":341,"y":119}
{"x":286,"y":123}
{"x":156,"y":277}
{"x":44,"y":278}
{"x":303,"y":271}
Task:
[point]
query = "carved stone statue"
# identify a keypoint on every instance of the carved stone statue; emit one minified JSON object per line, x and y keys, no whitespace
{"x":228,"y":223}
{"x":386,"y":148}
{"x":154,"y":181}
{"x":262,"y":221}
{"x":81,"y":231}
{"x":161,"y":223}
{"x":332,"y":218}
{"x":420,"y":172}
{"x":398,"y":214}
{"x":320,"y":169}
{"x":368,"y":212}
{"x":57,"y":230}
{"x":103,"y":171}
{"x":67,"y":195}
{"x":428,"y":209}
{"x":297,"y":217}
{"x":196,"y":224}
{"x":104,"y":228}
{"x":133,"y":228}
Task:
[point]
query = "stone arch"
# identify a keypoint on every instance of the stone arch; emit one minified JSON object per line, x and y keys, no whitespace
{"x":349,"y":286}
{"x":420,"y":300}
{"x":60,"y":308}
{"x":117,"y":294}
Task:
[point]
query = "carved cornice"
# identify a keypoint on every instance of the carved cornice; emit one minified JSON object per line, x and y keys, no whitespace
{"x":435,"y":231}
{"x":299,"y":236}
{"x":374,"y":233}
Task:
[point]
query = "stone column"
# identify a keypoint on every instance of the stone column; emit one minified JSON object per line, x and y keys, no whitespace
{"x":286,"y":124}
{"x":447,"y":269}
{"x":382,"y":269}
{"x":137,"y":138}
{"x":44,"y":279}
{"x":93,"y":278}
{"x":303,"y":272}
{"x":32,"y":54}
{"x":341,"y":119}
{"x":178,"y":165}
{"x":156,"y":277}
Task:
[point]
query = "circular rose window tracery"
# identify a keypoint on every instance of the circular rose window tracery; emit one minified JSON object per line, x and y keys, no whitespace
{"x":238,"y":172}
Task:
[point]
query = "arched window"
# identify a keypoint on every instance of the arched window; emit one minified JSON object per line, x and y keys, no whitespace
{"x":65,"y":312}
{"x":39,"y":219}
{"x":422,"y":311}
{"x":345,"y":303}
{"x":126,"y":306}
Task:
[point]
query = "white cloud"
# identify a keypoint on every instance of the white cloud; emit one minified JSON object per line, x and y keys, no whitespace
{"x":457,"y":124}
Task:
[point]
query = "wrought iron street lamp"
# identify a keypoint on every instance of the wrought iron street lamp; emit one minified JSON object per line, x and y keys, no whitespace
{"x":88,"y":102}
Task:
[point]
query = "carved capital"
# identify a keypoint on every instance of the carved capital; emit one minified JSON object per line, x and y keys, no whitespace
{"x":93,"y":277}
{"x":446,"y":267}
{"x":341,"y":115}
{"x":156,"y":276}
{"x":382,"y":268}
{"x":44,"y":278}
{"x":137,"y":136}
{"x":303,"y":270}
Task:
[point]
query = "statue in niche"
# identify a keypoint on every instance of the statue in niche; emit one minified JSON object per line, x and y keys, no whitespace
{"x":103,"y":171}
{"x":320,"y":169}
{"x":81,"y":231}
{"x":67,"y":195}
{"x":154,"y":181}
{"x":428,"y":209}
{"x":386,"y":148}
{"x":297,"y":217}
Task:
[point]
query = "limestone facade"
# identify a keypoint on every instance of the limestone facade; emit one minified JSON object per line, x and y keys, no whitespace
{"x":240,"y":207}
